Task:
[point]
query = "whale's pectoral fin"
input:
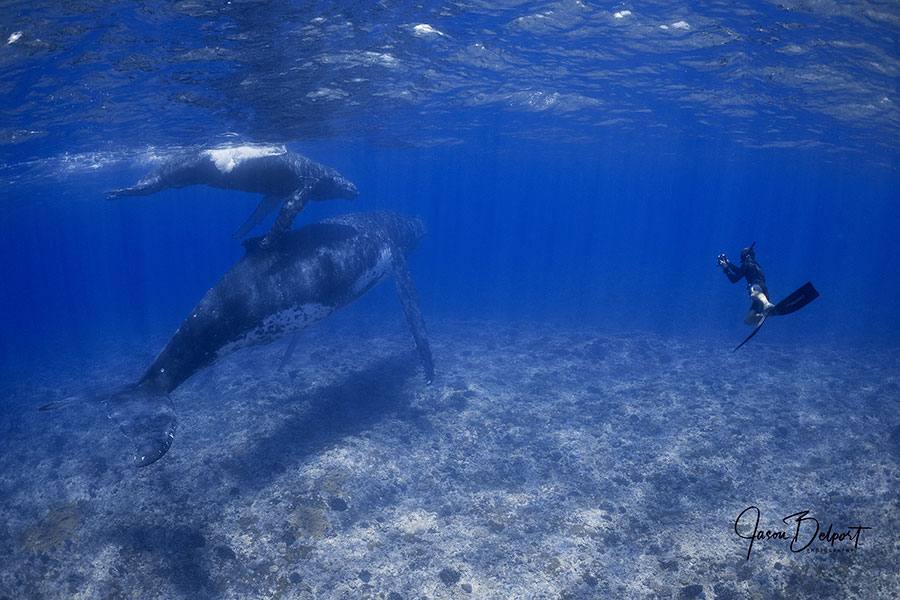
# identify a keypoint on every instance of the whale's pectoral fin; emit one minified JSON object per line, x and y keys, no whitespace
{"x":266,"y":205}
{"x":146,"y":418}
{"x":409,"y":299}
{"x":289,"y":211}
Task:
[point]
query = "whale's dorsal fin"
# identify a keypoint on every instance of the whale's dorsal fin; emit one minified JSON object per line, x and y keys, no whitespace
{"x":409,"y":299}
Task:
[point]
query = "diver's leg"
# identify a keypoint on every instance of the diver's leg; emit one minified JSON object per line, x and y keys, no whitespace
{"x":759,"y":297}
{"x":266,"y":205}
{"x":753,"y":316}
{"x":289,"y":210}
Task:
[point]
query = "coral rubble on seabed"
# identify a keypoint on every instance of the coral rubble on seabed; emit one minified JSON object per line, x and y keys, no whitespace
{"x":544,"y":462}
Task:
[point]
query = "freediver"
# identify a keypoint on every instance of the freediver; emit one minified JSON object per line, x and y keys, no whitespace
{"x":756,"y":283}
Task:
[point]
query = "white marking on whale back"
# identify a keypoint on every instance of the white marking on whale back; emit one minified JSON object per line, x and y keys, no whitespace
{"x":278,"y":325}
{"x":683,"y":25}
{"x":226,"y":159}
{"x":424,"y":29}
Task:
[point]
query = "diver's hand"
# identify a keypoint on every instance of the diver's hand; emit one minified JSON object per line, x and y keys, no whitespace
{"x":722,"y":262}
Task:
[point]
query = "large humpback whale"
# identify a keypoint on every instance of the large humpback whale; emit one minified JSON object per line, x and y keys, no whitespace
{"x":281,"y":175}
{"x":304,"y":276}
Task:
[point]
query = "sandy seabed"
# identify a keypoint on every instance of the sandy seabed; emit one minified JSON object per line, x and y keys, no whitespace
{"x":544,"y":462}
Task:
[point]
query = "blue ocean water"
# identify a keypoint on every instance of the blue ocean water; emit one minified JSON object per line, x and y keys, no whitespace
{"x":570,"y":159}
{"x":577,"y":164}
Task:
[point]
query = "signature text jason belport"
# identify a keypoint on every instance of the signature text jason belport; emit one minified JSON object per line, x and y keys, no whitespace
{"x":803,"y":531}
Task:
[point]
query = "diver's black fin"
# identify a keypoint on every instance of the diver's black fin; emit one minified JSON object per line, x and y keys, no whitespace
{"x":409,"y":299}
{"x":755,"y":331}
{"x":797,"y":300}
{"x":802,"y":296}
{"x":147,"y":418}
{"x":290,"y":351}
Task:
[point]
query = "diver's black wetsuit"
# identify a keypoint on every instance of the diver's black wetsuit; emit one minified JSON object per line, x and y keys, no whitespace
{"x":751,"y":270}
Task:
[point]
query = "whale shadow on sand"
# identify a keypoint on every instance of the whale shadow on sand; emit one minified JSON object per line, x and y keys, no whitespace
{"x":332,"y":413}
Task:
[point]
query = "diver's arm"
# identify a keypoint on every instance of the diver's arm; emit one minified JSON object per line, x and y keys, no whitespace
{"x":734,"y":273}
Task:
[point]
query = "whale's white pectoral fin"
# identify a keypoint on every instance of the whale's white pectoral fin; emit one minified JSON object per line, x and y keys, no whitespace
{"x":146,"y":418}
{"x":409,"y":299}
{"x":265,"y":206}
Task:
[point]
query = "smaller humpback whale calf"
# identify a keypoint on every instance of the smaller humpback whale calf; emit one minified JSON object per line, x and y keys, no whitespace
{"x":284,"y":177}
{"x":304,"y":276}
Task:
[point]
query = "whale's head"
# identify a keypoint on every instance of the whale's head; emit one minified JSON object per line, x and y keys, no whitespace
{"x":417,"y":229}
{"x":338,"y":187}
{"x":406,"y":231}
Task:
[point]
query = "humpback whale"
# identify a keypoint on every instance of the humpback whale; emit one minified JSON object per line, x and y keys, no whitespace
{"x":284,"y":177}
{"x":273,"y":291}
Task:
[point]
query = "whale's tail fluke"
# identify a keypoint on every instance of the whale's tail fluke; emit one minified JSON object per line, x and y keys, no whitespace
{"x":151,"y":184}
{"x":129,"y":191}
{"x":141,"y":189}
{"x":147,"y":418}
